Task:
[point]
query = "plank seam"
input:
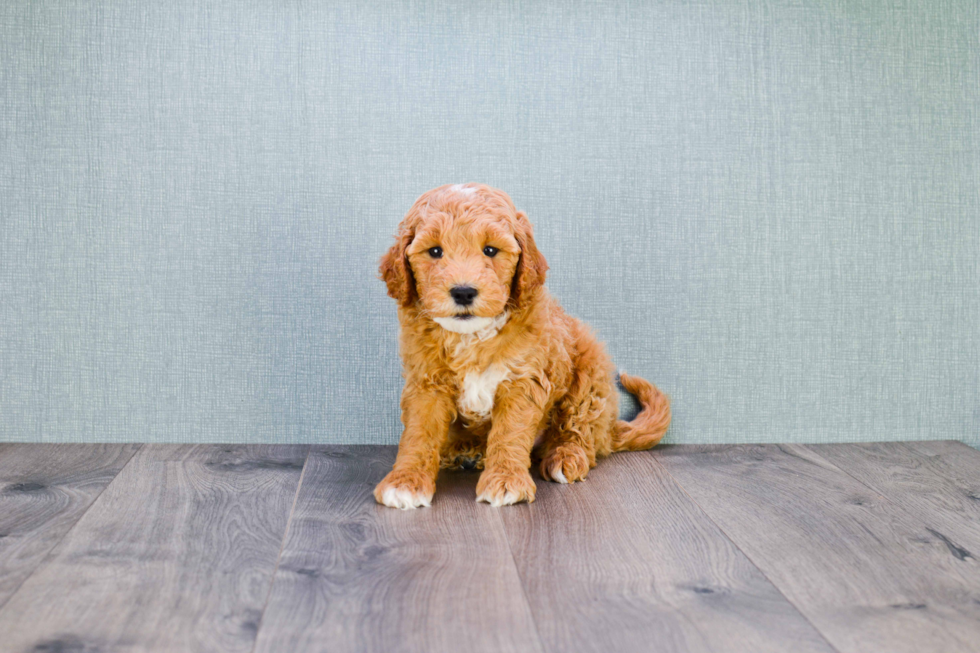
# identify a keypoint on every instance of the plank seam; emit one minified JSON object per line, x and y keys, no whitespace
{"x":282,"y":547}
{"x":520,"y":579}
{"x":888,"y":495}
{"x":966,"y":449}
{"x":744,"y":553}
{"x":863,"y":482}
{"x":47,"y":556}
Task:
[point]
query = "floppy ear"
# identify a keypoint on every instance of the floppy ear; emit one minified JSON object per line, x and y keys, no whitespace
{"x":531,"y":266}
{"x":396,"y":272}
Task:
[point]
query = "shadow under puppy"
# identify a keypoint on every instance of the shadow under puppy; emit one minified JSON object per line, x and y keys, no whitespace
{"x":495,"y":371}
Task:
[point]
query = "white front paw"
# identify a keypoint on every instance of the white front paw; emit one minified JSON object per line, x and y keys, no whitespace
{"x":505,"y":488}
{"x":404,"y":489}
{"x":496,"y":500}
{"x":404,"y":499}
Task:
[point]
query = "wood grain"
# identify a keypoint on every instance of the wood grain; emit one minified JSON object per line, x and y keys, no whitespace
{"x":867,"y":573}
{"x":937,"y":482}
{"x":177,"y":554}
{"x":954,"y":461}
{"x":875,"y":546}
{"x":356,"y":576}
{"x":625,"y":561}
{"x":44,"y":490}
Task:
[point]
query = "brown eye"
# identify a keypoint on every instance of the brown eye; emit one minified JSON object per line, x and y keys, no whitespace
{"x":435,"y":252}
{"x":490,"y":251}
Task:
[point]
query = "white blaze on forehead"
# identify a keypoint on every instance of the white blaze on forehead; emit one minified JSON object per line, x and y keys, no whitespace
{"x":465,"y":190}
{"x":479,"y":389}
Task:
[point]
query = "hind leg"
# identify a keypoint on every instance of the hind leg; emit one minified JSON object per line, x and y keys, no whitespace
{"x":581,"y":428}
{"x":565,"y":458}
{"x":465,"y":448}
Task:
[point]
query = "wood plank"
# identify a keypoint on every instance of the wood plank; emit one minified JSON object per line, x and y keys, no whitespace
{"x":177,"y":554}
{"x":867,"y":574}
{"x":627,"y":562}
{"x":44,"y":490}
{"x":356,"y":576}
{"x":954,"y":461}
{"x":937,"y":482}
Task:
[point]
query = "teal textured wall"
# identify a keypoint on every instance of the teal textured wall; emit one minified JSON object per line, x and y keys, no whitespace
{"x":768,"y":207}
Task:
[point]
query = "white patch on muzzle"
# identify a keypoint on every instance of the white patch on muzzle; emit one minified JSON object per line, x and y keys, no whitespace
{"x":482,"y":327}
{"x":471,"y":325}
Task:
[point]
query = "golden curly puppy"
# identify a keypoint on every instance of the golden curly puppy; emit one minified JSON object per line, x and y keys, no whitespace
{"x":495,"y":371}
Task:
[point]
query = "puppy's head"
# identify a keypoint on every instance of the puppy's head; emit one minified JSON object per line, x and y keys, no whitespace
{"x":464,"y":255}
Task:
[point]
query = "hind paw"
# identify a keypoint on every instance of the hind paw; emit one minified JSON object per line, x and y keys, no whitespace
{"x":565,"y":464}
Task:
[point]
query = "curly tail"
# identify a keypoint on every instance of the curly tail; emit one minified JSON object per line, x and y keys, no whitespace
{"x":647,"y":428}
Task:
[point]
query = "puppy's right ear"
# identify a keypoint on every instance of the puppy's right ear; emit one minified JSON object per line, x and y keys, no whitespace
{"x":397,"y":273}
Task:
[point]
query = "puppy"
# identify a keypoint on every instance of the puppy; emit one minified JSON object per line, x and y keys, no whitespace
{"x":495,"y":371}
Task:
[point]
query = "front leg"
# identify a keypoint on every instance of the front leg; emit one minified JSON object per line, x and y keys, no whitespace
{"x":516,"y":421}
{"x":426,"y":414}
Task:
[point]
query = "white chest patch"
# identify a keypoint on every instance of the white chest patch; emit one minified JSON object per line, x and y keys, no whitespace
{"x":476,"y":400}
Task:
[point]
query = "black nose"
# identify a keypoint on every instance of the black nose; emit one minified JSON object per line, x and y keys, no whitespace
{"x":463,"y":295}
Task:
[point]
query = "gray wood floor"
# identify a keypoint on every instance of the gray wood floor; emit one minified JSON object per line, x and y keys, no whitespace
{"x":271,"y":548}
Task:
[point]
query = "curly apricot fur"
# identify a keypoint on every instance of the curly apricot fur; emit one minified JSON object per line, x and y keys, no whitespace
{"x":556,"y":399}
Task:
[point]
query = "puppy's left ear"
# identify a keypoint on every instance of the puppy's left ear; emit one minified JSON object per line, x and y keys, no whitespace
{"x":531,"y":267}
{"x":396,"y":272}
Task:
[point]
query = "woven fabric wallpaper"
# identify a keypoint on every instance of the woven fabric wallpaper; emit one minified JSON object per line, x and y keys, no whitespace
{"x":767,"y":207}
